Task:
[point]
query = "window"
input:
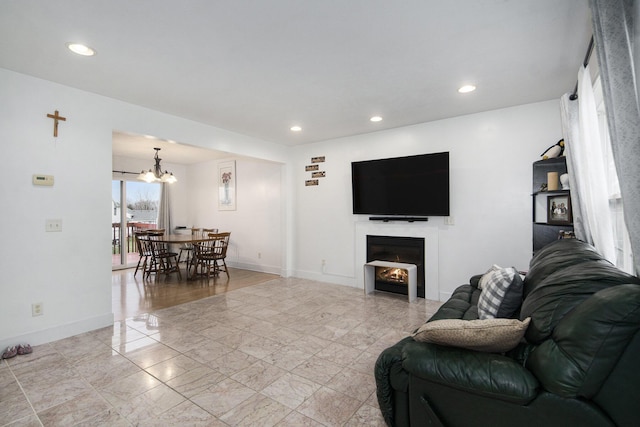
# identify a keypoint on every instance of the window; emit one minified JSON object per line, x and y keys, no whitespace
{"x":624,"y":256}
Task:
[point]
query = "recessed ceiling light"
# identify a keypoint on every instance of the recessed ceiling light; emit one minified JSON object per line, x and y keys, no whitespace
{"x":467,"y":89}
{"x":296,"y":128}
{"x":376,"y":119}
{"x":81,"y":49}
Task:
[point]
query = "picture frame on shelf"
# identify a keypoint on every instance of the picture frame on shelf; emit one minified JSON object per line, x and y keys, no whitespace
{"x":559,"y":209}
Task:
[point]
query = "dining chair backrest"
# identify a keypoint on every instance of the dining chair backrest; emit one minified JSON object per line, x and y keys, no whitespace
{"x":221,"y":243}
{"x":137,"y":238}
{"x":207,"y":231}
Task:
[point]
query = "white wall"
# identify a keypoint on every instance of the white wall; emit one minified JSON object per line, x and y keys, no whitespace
{"x":490,"y":158}
{"x":70,"y":271}
{"x":257,"y":241}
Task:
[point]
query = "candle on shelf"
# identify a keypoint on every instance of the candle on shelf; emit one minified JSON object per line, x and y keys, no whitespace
{"x":552,"y":181}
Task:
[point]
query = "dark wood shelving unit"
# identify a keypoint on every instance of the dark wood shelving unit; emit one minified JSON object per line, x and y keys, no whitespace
{"x":544,"y":232}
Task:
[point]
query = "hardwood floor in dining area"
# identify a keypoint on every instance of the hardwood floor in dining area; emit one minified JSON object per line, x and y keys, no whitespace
{"x":134,"y":295}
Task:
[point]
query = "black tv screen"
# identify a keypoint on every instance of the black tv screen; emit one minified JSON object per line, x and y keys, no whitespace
{"x":408,"y":186}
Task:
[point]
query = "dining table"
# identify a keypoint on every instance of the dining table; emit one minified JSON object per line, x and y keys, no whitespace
{"x":179,"y":239}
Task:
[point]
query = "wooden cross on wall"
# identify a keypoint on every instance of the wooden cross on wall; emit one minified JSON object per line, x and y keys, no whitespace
{"x":55,"y":118}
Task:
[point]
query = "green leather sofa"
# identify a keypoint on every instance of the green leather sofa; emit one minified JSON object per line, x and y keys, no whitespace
{"x":578,"y":364}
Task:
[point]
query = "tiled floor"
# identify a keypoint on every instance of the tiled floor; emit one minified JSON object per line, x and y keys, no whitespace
{"x":288,"y":352}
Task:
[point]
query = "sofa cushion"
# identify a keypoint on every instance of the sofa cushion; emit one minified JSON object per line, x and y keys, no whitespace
{"x":588,"y":342}
{"x":501,"y":293}
{"x":493,"y":376}
{"x":490,"y":335}
{"x":463,"y":304}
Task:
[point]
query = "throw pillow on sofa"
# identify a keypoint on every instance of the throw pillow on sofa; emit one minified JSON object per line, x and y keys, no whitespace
{"x":501,"y":294}
{"x":491,"y":335}
{"x":482,"y":283}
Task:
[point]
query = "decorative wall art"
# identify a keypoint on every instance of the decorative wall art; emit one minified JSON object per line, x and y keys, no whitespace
{"x":227,"y":186}
{"x":315,"y":171}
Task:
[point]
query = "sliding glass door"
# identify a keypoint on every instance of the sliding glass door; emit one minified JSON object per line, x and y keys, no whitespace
{"x":134,"y":207}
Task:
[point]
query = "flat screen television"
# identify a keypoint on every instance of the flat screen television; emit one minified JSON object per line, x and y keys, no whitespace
{"x":402,"y":186}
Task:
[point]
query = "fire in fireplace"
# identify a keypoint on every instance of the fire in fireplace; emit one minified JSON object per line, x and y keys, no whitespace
{"x":409,"y":250}
{"x":398,"y":276}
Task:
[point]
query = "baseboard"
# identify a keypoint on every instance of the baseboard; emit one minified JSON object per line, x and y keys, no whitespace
{"x":256,"y":267}
{"x":59,"y":332}
{"x":327,"y":278}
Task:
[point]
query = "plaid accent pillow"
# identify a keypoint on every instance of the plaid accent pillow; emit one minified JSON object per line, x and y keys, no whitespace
{"x":482,"y":283}
{"x":501,"y":294}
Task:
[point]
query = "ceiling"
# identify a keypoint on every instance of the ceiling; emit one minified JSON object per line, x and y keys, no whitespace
{"x":259,"y":67}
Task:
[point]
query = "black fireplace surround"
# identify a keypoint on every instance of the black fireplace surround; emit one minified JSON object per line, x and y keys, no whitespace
{"x":409,"y":250}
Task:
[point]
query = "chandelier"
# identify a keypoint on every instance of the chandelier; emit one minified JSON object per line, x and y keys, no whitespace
{"x":156,"y":175}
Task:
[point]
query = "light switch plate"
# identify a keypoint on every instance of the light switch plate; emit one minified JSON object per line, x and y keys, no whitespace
{"x":46,"y":180}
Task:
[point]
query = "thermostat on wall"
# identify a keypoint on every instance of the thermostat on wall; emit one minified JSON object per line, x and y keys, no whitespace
{"x":43,"y":180}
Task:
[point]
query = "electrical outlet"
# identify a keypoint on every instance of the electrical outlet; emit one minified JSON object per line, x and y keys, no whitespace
{"x":36,"y":309}
{"x":448,"y":220}
{"x":324,"y":262}
{"x":259,"y":255}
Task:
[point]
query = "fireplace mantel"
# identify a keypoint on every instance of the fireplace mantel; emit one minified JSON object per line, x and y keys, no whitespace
{"x":429,"y":233}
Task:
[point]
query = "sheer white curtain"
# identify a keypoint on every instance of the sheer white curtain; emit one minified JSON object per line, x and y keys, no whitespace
{"x":164,"y":212}
{"x":588,"y":173}
{"x":616,"y":35}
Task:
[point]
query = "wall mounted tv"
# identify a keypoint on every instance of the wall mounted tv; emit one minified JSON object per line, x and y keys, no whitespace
{"x":402,"y":186}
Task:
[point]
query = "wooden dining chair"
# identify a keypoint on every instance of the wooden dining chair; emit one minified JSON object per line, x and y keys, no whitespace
{"x":188,"y":247}
{"x":209,"y":253}
{"x":220,"y":252}
{"x":162,"y":259}
{"x":144,"y":254}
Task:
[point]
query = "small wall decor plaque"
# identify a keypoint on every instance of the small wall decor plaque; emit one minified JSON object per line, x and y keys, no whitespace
{"x":309,"y":168}
{"x":319,"y":159}
{"x":320,"y":174}
{"x":311,"y":182}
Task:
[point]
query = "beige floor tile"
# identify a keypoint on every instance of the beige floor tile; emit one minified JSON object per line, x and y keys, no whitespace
{"x":317,"y":370}
{"x":258,"y":410}
{"x":195,"y":381}
{"x":80,"y":408}
{"x":171,"y":368}
{"x":291,"y":390}
{"x":110,"y":418}
{"x":354,"y":384}
{"x":259,"y":375}
{"x":298,"y":420}
{"x":366,"y":416}
{"x":286,"y":352}
{"x":329,"y":407}
{"x":222,"y":397}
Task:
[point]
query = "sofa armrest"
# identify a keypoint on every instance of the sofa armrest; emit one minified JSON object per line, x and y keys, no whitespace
{"x":390,"y":380}
{"x":487,"y":374}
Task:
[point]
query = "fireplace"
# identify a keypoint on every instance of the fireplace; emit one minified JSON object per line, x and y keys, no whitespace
{"x":408,"y":250}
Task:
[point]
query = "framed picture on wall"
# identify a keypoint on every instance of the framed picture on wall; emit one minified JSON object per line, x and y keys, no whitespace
{"x":227,"y":186}
{"x":559,"y":209}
